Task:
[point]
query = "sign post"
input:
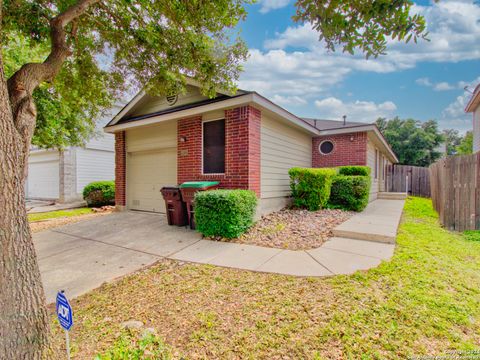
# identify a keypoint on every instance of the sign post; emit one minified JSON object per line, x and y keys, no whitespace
{"x":65,"y":317}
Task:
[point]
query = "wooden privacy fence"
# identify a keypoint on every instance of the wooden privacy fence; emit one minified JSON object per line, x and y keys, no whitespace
{"x":455,"y":185}
{"x":414,"y":180}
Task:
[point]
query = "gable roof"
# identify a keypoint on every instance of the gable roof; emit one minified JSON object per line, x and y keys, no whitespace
{"x":323,"y":124}
{"x":315,"y":127}
{"x":474,"y":101}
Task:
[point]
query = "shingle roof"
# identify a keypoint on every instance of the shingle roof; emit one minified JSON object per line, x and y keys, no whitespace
{"x":322,"y":124}
{"x":181,"y":107}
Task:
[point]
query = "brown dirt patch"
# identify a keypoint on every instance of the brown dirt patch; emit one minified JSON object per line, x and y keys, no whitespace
{"x":294,"y":229}
{"x":52,"y":223}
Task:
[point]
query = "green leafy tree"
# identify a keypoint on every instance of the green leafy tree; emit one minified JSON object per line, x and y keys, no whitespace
{"x":465,"y":147}
{"x":363,"y":25}
{"x":152,"y":45}
{"x":66,"y":107}
{"x":413,"y":142}
{"x":452,"y":140}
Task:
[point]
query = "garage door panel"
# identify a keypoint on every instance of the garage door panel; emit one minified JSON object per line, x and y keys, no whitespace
{"x":148,"y":172}
{"x":43,"y":180}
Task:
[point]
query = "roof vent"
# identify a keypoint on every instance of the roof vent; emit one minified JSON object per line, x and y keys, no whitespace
{"x":344,"y":120}
{"x":172,"y":99}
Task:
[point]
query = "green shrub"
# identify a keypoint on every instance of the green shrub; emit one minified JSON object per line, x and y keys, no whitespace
{"x":311,"y":187}
{"x":354,"y":170}
{"x":225,"y":213}
{"x":350,"y":192}
{"x":99,"y":193}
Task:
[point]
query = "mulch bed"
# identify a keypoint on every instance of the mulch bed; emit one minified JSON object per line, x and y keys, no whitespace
{"x":294,"y":229}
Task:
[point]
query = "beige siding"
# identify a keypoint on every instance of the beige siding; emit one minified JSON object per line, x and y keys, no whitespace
{"x":384,"y":162}
{"x":159,"y":136}
{"x":371,"y":163}
{"x":151,"y":104}
{"x":282,"y":147}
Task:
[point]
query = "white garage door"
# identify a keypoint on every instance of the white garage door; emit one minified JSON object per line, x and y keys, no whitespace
{"x":148,"y":172}
{"x":43,"y":179}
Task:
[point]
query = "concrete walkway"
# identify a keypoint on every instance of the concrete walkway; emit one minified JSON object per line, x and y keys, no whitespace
{"x":81,"y":256}
{"x":378,"y":222}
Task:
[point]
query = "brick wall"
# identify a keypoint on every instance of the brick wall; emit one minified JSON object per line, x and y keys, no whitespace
{"x":120,"y":169}
{"x":242,"y":150}
{"x":349,"y":149}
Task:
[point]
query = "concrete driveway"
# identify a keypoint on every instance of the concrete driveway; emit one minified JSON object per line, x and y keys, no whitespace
{"x":80,"y":257}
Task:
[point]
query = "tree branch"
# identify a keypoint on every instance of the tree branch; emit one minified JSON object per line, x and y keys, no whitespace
{"x":22,"y":83}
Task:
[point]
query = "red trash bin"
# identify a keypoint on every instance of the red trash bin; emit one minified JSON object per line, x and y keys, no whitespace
{"x":188,"y":190}
{"x":175,"y":207}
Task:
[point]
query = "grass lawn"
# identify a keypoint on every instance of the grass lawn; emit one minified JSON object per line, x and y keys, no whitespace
{"x":58,"y":214}
{"x":426,"y":300}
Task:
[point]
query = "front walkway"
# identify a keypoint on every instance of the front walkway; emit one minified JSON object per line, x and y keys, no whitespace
{"x":80,"y":257}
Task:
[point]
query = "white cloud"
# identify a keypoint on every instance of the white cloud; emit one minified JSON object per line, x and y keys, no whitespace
{"x":454,"y":116}
{"x":290,"y":74}
{"x":309,"y":69}
{"x":456,"y":108}
{"x":424,"y":81}
{"x":268,"y":5}
{"x":444,"y":86}
{"x":365,"y":111}
{"x":439,"y":86}
{"x":288,"y":100}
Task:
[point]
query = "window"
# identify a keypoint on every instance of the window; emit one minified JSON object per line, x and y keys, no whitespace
{"x":326,"y":147}
{"x":214,"y":147}
{"x":376,"y":164}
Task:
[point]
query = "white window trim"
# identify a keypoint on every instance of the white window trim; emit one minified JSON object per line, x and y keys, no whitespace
{"x":320,"y":145}
{"x":225,"y":160}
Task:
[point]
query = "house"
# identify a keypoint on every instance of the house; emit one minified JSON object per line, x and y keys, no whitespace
{"x":473,"y":106}
{"x":61,"y":175}
{"x":243,"y":141}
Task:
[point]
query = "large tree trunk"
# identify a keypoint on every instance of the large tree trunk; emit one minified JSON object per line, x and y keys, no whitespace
{"x":23,"y":315}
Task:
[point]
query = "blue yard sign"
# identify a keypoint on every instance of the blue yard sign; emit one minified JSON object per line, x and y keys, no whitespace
{"x":64,"y":311}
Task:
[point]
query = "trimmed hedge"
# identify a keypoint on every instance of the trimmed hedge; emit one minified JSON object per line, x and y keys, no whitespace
{"x":350,"y":192}
{"x":99,"y":193}
{"x":225,"y":213}
{"x":311,"y":187}
{"x":354,"y":170}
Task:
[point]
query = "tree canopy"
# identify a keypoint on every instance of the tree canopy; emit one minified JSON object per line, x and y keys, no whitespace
{"x":118,"y":45}
{"x":68,"y":106}
{"x":465,"y":147}
{"x":414,"y":142}
{"x":362,"y":25}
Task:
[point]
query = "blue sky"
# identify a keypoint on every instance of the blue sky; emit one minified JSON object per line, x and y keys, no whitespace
{"x":289,"y":65}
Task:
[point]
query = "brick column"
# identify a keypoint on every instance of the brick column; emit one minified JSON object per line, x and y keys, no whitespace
{"x":68,"y":176}
{"x":242,"y":150}
{"x":120,"y":171}
{"x":254,"y":130}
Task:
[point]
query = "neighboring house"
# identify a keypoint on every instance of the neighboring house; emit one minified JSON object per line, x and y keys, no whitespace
{"x":473,"y":107}
{"x":243,"y":141}
{"x":62,"y":175}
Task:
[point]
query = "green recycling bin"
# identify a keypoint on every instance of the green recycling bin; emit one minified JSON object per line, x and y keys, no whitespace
{"x":188,"y":190}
